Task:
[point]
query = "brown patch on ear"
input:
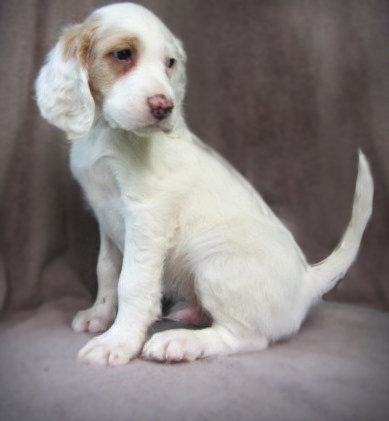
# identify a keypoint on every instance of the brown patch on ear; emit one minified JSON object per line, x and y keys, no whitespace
{"x":77,"y":43}
{"x":86,"y":40}
{"x":70,"y":41}
{"x":77,"y":40}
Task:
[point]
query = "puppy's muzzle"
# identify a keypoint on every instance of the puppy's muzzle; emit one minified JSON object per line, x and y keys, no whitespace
{"x":160,"y":106}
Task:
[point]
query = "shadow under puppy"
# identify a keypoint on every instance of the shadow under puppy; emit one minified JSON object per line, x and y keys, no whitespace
{"x":173,"y":215}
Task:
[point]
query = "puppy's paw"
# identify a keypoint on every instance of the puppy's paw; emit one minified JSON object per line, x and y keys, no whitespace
{"x":176,"y":345}
{"x":95,"y":319}
{"x":111,"y":349}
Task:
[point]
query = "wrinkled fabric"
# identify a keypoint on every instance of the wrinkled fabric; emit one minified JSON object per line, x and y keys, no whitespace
{"x":336,"y":368}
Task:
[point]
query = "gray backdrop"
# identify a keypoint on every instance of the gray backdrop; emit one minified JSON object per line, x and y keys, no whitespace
{"x":286,"y":90}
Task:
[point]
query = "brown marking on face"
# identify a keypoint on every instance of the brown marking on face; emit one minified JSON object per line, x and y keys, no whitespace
{"x":94,"y":49}
{"x":104,"y":68}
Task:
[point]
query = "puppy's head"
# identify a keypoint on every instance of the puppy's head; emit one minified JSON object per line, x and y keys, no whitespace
{"x":121,"y":64}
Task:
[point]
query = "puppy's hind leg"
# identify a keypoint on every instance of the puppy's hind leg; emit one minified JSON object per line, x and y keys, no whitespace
{"x":177,"y":345}
{"x":231,"y":309}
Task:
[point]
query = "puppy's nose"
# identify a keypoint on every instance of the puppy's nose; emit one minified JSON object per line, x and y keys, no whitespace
{"x":160,"y":106}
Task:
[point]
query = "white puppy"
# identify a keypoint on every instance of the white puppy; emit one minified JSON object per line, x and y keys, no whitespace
{"x":173,"y":215}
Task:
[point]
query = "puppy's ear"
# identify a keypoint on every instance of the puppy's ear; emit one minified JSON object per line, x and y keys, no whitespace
{"x":62,"y":88}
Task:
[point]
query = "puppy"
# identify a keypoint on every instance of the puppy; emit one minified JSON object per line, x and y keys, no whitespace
{"x":173,"y":215}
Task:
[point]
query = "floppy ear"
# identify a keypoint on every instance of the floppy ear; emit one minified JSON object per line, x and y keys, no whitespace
{"x":62,"y":88}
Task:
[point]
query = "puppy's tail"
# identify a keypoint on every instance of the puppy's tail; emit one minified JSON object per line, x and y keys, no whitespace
{"x":323,"y":276}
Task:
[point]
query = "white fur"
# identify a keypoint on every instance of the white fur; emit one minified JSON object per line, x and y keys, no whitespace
{"x":174,"y":216}
{"x":63,"y":94}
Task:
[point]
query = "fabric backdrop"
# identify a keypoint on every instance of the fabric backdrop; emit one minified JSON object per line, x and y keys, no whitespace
{"x":287,"y":91}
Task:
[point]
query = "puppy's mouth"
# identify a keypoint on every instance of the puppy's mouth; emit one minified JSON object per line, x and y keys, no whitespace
{"x":155,"y":127}
{"x":146,"y":128}
{"x":139,"y":120}
{"x":165,"y":125}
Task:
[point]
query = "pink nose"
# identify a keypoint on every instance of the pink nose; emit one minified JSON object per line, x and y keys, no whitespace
{"x":160,"y":106}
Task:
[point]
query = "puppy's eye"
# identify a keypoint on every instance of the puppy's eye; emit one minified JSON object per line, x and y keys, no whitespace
{"x":123,"y":55}
{"x":170,"y":62}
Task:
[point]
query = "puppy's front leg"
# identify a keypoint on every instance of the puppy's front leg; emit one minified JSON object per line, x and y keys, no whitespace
{"x":139,"y":292}
{"x":98,"y":317}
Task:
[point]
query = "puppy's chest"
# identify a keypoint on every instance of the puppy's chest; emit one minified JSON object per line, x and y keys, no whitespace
{"x":96,"y":175}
